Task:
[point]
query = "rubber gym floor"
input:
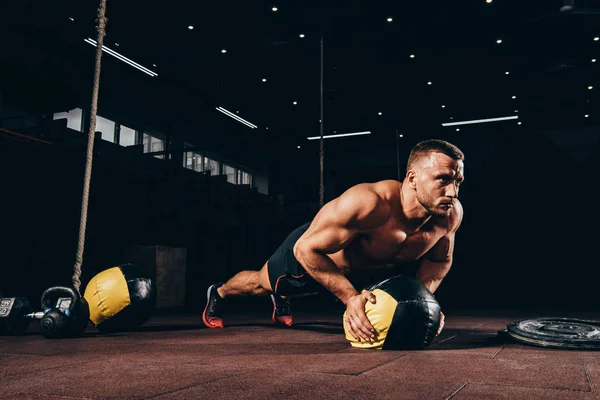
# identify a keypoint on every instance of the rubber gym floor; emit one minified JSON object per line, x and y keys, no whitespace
{"x":176,"y":357}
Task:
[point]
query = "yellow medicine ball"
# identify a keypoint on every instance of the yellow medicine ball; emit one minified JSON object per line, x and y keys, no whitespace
{"x":406,"y":315}
{"x":122,"y":298}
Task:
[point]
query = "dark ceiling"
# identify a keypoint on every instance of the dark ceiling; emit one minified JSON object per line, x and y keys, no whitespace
{"x":367,"y":67}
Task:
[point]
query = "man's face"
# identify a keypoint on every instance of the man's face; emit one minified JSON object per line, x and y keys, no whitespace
{"x":438,"y":178}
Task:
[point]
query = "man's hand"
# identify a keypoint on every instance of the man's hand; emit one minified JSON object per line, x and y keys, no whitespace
{"x":357,"y":322}
{"x":442,"y":317}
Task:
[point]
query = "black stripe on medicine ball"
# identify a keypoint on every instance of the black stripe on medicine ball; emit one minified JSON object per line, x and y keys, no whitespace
{"x":142,"y":288}
{"x":402,"y":288}
{"x":417,"y":315}
{"x":142,"y":296}
{"x":413,"y":326}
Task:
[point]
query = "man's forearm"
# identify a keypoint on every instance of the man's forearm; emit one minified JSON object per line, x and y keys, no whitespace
{"x":323,"y":270}
{"x":431,"y":273}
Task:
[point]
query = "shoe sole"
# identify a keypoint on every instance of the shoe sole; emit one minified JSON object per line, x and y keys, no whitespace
{"x":204,"y":312}
{"x":273,"y":315}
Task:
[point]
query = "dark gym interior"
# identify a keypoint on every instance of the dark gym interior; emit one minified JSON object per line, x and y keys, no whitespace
{"x":174,"y":178}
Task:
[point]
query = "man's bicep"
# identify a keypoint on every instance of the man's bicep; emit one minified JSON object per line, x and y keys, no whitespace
{"x":338,"y":222}
{"x":442,"y":250}
{"x":329,"y":231}
{"x":325,"y":239}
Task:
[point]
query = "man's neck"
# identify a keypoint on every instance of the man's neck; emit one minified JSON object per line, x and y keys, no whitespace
{"x":412,"y":212}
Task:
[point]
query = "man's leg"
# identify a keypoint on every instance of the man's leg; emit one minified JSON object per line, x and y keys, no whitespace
{"x":247,"y":283}
{"x":244,"y":283}
{"x":259,"y":283}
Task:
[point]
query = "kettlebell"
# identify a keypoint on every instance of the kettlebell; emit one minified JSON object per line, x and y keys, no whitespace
{"x":66,"y":313}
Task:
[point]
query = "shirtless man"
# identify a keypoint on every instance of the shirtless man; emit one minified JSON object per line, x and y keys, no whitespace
{"x":370,"y":226}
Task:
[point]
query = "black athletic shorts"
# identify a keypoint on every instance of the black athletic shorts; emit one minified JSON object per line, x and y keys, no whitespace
{"x":287,"y":276}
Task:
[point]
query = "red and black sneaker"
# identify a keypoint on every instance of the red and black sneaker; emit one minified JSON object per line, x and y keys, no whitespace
{"x":212,"y":316}
{"x":282,"y":310}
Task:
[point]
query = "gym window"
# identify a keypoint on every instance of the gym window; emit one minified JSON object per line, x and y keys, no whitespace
{"x":153,"y":144}
{"x":211,"y":165}
{"x":73,"y":117}
{"x":127,"y":136}
{"x":231,"y":173}
{"x":244,"y":178}
{"x":106,"y":127}
{"x":193,"y":161}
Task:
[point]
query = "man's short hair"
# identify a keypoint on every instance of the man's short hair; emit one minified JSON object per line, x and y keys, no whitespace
{"x":433,"y":146}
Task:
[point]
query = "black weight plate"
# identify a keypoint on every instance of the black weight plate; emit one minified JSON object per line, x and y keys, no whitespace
{"x":558,"y":333}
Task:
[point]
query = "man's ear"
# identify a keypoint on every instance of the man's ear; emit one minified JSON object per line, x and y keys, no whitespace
{"x":411,"y":177}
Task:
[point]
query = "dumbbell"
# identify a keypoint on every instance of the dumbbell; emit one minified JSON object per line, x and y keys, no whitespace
{"x":15,"y":315}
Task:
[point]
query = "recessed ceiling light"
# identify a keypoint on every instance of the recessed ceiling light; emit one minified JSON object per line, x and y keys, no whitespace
{"x":586,"y":115}
{"x":507,"y":73}
{"x":379,"y":113}
{"x":117,"y":44}
{"x":224,"y":51}
{"x":443,"y":106}
{"x":519,"y":123}
{"x":389,"y":19}
{"x":412,"y":56}
{"x":154,"y":65}
{"x":590,"y":87}
{"x":457,"y":129}
{"x":190,"y":27}
{"x":71,"y":19}
{"x":488,"y":1}
{"x":295,"y":102}
{"x":516,"y":111}
{"x":596,"y":38}
{"x":429,"y":83}
{"x":298,"y":146}
{"x":301,"y":35}
{"x":274,"y":9}
{"x":593,"y":60}
{"x":264,"y":80}
{"x":514,"y":97}
{"x":401,"y":135}
{"x":499,"y":41}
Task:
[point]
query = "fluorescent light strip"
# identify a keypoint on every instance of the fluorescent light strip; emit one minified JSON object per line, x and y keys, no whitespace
{"x":480,"y":121}
{"x":239,"y":119}
{"x":232,"y":115}
{"x":340,"y":135}
{"x":122,"y":58}
{"x":132,"y":63}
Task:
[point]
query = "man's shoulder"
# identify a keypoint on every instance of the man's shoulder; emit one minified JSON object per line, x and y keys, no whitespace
{"x":368,"y":201}
{"x":383,"y":189}
{"x":386,"y":189}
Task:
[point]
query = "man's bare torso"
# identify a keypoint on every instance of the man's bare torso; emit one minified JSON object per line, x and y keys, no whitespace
{"x":392,"y":243}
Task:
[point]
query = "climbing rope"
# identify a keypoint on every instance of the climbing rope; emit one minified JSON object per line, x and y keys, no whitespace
{"x":90,"y":148}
